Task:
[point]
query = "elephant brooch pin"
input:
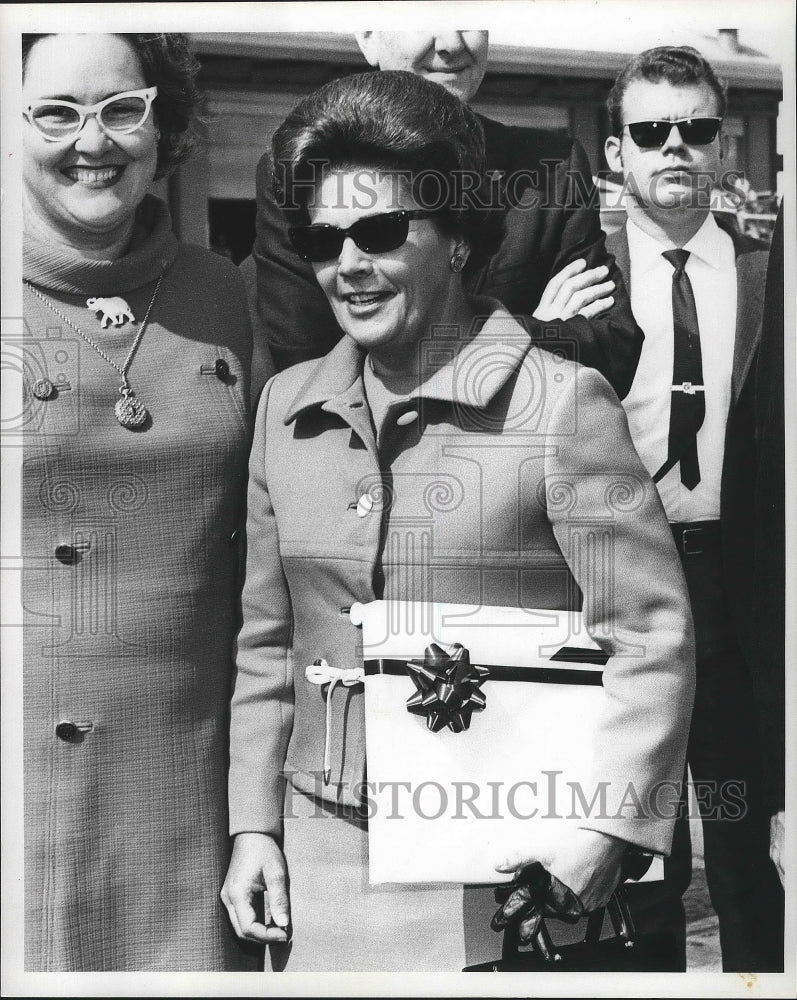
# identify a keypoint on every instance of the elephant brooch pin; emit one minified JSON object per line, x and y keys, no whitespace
{"x":115,"y":311}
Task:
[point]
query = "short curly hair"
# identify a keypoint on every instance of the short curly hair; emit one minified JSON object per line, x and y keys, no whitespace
{"x":680,"y":65}
{"x":169,"y":64}
{"x":393,"y":121}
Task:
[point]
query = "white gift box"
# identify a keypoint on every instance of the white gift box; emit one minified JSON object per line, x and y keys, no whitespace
{"x":448,"y":806}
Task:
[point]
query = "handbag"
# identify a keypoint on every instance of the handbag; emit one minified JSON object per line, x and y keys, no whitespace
{"x":625,"y":951}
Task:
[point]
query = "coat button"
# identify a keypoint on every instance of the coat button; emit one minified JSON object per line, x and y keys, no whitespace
{"x":365,"y":505}
{"x":43,"y":388}
{"x":66,"y":731}
{"x":222,"y":369}
{"x":72,"y":732}
{"x":407,"y":418}
{"x":66,"y":554}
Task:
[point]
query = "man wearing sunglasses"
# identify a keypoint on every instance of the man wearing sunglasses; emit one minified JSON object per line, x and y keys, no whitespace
{"x":552,"y":263}
{"x":696,"y":289}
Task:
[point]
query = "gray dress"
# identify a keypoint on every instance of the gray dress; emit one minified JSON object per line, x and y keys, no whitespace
{"x":131,"y":574}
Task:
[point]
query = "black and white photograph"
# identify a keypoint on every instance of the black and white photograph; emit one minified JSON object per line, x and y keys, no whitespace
{"x":399,"y":519}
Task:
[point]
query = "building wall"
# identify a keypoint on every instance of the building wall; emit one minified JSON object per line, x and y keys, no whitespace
{"x":212,"y":197}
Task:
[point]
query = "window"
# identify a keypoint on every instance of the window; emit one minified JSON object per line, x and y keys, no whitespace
{"x":231,"y":227}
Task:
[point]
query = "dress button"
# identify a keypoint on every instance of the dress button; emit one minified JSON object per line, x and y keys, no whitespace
{"x":222,"y":369}
{"x":66,"y":731}
{"x":67,"y":554}
{"x":234,"y":537}
{"x":407,"y":418}
{"x":365,"y":505}
{"x":73,"y":732}
{"x":43,"y":388}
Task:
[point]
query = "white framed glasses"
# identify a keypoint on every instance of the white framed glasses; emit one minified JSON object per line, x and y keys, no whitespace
{"x":119,"y":114}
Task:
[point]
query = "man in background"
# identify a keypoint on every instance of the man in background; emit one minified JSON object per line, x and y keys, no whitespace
{"x":696,"y":290}
{"x":552,"y":264}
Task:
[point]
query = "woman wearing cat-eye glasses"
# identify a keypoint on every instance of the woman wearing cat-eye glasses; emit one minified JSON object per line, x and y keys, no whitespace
{"x":427,"y":457}
{"x":136,"y":364}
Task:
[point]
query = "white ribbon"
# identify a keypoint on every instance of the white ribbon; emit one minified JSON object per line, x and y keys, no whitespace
{"x":322,"y":673}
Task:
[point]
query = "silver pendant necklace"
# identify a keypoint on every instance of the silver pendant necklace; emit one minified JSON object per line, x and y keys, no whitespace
{"x":130,"y":412}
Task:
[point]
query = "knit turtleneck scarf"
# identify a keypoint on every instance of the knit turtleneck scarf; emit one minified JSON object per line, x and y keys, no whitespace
{"x":57,"y":269}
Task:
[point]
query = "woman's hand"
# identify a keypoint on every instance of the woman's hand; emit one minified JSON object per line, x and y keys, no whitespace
{"x":586,"y":862}
{"x":257,"y":865}
{"x":576,"y":291}
{"x":777,"y":834}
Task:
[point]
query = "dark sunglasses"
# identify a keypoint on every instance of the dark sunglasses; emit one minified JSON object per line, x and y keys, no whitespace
{"x":373,"y":234}
{"x":694,"y":131}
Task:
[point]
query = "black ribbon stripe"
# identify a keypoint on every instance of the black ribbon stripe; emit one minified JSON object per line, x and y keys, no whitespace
{"x":500,"y":672}
{"x":580,"y":654}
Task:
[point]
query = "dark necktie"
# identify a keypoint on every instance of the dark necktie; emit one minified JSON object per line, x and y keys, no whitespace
{"x":688,"y":404}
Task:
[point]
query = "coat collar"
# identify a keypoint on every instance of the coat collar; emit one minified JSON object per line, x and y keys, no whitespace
{"x":337,"y":375}
{"x":470,"y":378}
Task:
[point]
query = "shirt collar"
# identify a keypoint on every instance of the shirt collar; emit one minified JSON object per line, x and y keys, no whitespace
{"x":713,"y":246}
{"x":472,"y":377}
{"x":709,"y":244}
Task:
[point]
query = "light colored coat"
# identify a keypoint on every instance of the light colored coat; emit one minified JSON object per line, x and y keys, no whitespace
{"x":518,"y":485}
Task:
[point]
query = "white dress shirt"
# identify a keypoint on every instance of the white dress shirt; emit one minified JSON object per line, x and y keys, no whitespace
{"x":711,"y":268}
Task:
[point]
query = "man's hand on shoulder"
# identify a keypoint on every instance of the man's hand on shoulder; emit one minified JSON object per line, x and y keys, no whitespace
{"x":576,"y":290}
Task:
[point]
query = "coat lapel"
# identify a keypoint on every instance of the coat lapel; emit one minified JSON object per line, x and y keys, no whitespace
{"x":617,"y":245}
{"x":750,"y":281}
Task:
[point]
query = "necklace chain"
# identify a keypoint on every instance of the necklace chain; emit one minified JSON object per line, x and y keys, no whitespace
{"x":130,"y":412}
{"x":123,"y":370}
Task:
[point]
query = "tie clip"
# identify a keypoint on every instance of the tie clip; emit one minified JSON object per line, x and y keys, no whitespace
{"x":689,"y":388}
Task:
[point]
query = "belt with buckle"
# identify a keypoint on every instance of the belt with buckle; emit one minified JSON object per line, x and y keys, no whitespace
{"x":694,"y":538}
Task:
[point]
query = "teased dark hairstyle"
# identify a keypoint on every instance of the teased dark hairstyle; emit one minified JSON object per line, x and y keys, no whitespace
{"x":167,"y":63}
{"x":680,"y":65}
{"x":392,"y":121}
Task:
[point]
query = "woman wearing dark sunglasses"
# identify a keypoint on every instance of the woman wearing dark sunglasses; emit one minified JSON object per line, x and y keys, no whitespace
{"x":136,"y":358}
{"x":434,"y":454}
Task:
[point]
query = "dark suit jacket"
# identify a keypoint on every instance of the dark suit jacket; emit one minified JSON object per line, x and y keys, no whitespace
{"x":738,"y":513}
{"x":553,"y":219}
{"x":769,"y":512}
